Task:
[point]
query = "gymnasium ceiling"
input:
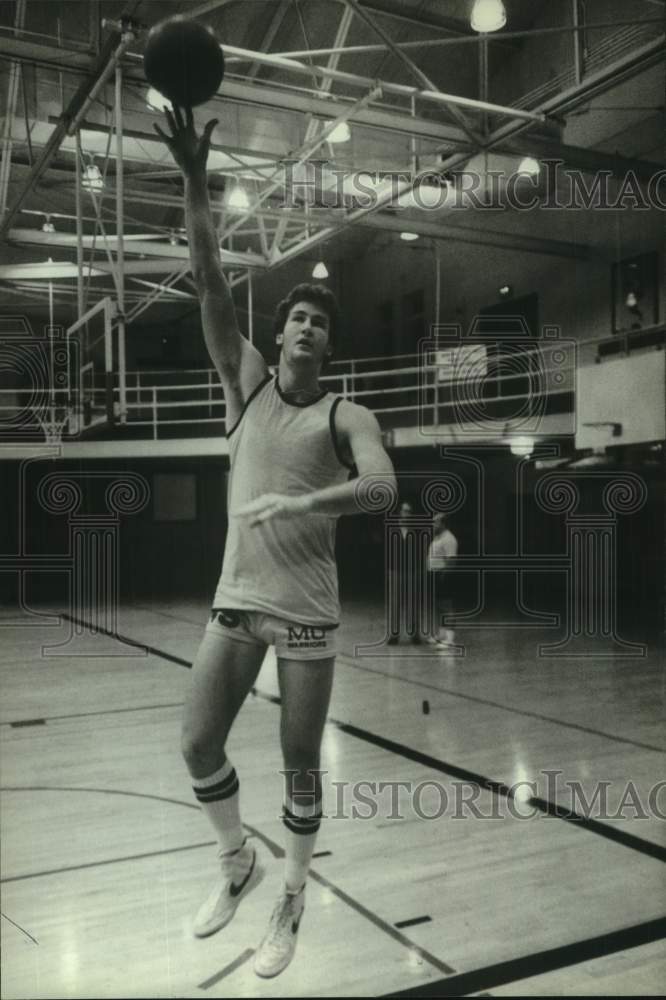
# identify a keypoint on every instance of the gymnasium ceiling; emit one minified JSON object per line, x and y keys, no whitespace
{"x":408,"y":87}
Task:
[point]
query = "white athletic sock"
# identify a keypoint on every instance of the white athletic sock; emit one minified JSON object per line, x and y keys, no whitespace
{"x":219,"y":798}
{"x":301,"y":819}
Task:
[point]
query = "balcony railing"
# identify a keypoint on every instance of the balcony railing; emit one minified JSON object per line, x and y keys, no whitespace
{"x":423,"y":390}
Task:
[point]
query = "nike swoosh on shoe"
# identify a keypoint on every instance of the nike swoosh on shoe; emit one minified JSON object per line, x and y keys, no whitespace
{"x":235,"y":890}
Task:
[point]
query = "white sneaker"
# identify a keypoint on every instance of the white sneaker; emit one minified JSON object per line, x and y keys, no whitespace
{"x":278,"y":946}
{"x":239,"y":874}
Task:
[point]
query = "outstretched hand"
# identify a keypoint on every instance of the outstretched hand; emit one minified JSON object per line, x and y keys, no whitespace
{"x":189,"y":150}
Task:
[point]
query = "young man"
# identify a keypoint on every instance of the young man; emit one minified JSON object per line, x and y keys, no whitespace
{"x":441,"y":556}
{"x":291,"y":447}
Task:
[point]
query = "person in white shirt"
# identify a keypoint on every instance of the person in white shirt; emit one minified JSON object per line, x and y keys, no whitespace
{"x":441,"y":556}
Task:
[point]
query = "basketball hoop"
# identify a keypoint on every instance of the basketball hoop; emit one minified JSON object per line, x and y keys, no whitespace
{"x":53,"y":423}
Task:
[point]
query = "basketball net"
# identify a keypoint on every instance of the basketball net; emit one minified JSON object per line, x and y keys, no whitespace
{"x":53,"y":421}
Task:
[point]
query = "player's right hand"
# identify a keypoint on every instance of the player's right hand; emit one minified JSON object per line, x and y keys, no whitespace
{"x":189,"y":150}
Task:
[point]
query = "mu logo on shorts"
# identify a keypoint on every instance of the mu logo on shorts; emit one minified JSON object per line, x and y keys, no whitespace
{"x":305,"y":636}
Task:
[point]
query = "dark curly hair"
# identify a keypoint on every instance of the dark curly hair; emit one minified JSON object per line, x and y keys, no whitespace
{"x":320,"y":296}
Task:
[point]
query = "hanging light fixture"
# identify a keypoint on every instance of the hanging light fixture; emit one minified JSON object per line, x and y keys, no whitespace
{"x":320,"y":270}
{"x":522,"y":446}
{"x":92,"y":177}
{"x":529,"y":166}
{"x":48,"y":226}
{"x":408,"y":237}
{"x":341,"y":133}
{"x":173,"y":239}
{"x":488,"y":15}
{"x":238,"y":199}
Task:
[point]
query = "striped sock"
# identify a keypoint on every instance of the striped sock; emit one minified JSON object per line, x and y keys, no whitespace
{"x":301,"y":819}
{"x":219,"y":798}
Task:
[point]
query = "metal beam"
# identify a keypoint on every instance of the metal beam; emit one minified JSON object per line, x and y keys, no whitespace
{"x":378,"y":118}
{"x":332,"y":63}
{"x":263,"y":96}
{"x":49,"y":56}
{"x":609,"y":76}
{"x":590,"y":160}
{"x":303,"y":155}
{"x":10,"y":111}
{"x":164,"y":250}
{"x":415,"y":71}
{"x":355,"y":79}
{"x":427,"y":43}
{"x":483,"y":236}
{"x":266,"y":42}
{"x":60,"y":131}
{"x":439,"y":22}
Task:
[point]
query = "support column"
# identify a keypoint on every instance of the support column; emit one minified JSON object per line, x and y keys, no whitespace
{"x":120,"y":246}
{"x":94,"y":551}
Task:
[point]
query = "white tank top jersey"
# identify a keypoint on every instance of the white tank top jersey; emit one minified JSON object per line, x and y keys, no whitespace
{"x":283,"y":567}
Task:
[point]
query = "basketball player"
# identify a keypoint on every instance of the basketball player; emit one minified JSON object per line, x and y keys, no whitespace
{"x":292,"y":446}
{"x":441,"y":555}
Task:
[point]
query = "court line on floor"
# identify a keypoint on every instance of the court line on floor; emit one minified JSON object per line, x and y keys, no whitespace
{"x":167,"y":614}
{"x":227,"y":970}
{"x":541,"y":962}
{"x":102,"y":711}
{"x":125,"y":640}
{"x":104,"y":862}
{"x":456,"y":990}
{"x":275,"y":849}
{"x":353,"y":662}
{"x":378,"y":922}
{"x":21,"y":929}
{"x":547,"y":808}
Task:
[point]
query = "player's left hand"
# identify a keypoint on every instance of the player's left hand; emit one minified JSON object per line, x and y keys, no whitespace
{"x":273,"y":505}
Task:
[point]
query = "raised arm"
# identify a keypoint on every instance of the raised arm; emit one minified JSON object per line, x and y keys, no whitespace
{"x":240,"y":366}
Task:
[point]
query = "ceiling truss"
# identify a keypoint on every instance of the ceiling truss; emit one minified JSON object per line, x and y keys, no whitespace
{"x":451,"y":130}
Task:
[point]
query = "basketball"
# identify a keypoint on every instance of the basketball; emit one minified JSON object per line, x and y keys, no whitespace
{"x":183,"y":61}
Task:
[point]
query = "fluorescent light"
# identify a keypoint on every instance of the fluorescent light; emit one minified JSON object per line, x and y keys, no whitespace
{"x":238,"y":199}
{"x":522,"y":446}
{"x":488,"y":15}
{"x":92,"y":178}
{"x":341,"y":133}
{"x":320,"y":270}
{"x":529,"y":166}
{"x":409,"y":236}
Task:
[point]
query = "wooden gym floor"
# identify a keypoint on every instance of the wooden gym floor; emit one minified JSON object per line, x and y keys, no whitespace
{"x":105,"y":855}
